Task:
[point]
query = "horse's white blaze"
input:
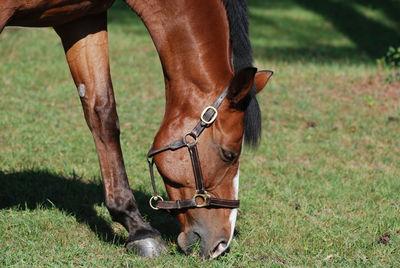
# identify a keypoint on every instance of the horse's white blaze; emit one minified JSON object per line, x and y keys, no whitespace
{"x":232,"y":217}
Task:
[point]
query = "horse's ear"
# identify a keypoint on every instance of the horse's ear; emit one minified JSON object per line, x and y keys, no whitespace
{"x":241,"y":85}
{"x":261,"y":79}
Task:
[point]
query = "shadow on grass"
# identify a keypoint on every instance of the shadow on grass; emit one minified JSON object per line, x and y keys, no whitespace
{"x":391,"y":8}
{"x":121,"y":13}
{"x":315,"y":42}
{"x":370,"y":36}
{"x":29,"y":190}
{"x":309,"y":41}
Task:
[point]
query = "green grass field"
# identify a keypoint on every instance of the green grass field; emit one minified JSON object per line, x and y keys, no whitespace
{"x":322,"y":190}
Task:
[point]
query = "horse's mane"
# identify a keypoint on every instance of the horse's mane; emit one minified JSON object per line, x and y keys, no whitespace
{"x":242,"y":58}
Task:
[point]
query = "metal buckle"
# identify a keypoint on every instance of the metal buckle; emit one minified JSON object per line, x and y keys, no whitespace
{"x":204,"y":196}
{"x":191,"y":135}
{"x":155,"y":198}
{"x":209,"y":122}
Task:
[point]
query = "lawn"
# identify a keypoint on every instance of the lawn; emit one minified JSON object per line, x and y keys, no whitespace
{"x":322,"y":189}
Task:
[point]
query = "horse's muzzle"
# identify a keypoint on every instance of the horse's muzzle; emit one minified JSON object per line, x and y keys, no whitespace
{"x":211,"y":246}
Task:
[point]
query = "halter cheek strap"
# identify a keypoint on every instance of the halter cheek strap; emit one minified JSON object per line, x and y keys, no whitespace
{"x":201,"y":198}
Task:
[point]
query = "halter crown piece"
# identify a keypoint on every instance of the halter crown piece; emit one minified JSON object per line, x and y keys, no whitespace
{"x":201,"y":197}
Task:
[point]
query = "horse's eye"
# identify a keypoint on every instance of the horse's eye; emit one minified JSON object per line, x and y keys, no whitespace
{"x":228,"y":156}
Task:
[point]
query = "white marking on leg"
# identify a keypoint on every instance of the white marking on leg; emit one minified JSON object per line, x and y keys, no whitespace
{"x":82,"y":90}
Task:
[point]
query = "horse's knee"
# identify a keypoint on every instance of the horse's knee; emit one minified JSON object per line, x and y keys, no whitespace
{"x":101,"y":116}
{"x":105,"y":109}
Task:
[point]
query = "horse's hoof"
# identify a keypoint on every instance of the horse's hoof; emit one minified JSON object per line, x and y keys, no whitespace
{"x":148,"y":247}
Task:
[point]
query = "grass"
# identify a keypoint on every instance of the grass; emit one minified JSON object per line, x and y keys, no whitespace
{"x":322,"y":190}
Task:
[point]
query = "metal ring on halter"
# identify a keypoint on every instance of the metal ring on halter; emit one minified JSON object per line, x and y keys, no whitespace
{"x":191,"y":135}
{"x":155,"y":198}
{"x":204,"y":196}
{"x":209,"y":122}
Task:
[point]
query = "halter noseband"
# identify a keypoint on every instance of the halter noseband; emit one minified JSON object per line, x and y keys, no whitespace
{"x":201,"y":198}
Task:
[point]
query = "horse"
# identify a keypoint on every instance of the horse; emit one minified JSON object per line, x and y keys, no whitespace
{"x":211,"y":109}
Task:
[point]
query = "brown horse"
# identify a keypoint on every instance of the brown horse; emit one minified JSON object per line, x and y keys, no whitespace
{"x":205,"y":54}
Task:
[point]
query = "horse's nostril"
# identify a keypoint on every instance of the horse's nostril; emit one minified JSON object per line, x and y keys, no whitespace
{"x":219,"y":249}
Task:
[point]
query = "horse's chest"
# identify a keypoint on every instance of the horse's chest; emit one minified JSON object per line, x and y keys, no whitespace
{"x":55,"y":12}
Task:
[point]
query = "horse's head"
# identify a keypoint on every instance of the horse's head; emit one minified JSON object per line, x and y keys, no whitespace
{"x":219,"y":144}
{"x":205,"y":53}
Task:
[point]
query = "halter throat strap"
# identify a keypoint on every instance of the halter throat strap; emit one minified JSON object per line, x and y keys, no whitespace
{"x":201,"y":198}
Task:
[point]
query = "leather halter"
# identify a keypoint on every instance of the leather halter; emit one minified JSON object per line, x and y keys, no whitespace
{"x":201,"y":198}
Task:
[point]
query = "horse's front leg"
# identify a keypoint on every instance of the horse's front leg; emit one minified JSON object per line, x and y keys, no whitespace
{"x":86,"y":46}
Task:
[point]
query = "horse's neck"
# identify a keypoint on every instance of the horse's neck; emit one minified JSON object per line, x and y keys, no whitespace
{"x":192,"y":39}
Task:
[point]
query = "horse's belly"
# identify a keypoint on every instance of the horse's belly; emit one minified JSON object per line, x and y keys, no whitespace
{"x":43,"y":13}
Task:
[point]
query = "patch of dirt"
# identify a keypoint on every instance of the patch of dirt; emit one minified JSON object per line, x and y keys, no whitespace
{"x":312,"y":124}
{"x":276,"y":259}
{"x":384,"y":239}
{"x":379,"y":86}
{"x":361,"y":257}
{"x":393,"y":119}
{"x":377,"y":93}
